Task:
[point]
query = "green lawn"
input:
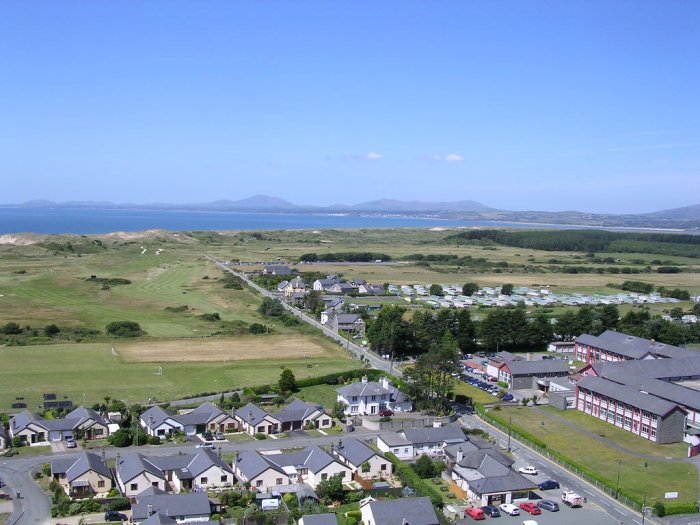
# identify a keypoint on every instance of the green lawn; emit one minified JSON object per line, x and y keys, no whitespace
{"x":324,"y":395}
{"x":638,"y":476}
{"x":478,"y":396}
{"x":88,"y":372}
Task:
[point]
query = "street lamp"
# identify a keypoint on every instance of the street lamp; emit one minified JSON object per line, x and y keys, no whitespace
{"x":510,"y":427}
{"x":617,"y":487}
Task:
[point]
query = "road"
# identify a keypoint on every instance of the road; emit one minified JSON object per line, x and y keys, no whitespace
{"x":358,"y":351}
{"x":33,"y":506}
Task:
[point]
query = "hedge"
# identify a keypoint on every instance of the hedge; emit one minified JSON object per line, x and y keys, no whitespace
{"x":409,"y":477}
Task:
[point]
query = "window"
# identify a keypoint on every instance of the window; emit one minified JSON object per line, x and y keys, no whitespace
{"x":224,"y":479}
{"x":324,"y":476}
{"x":134,"y":486}
{"x":618,"y":419}
{"x":258,"y":483}
{"x":396,"y":451}
{"x":354,"y":398}
{"x":353,"y":409}
{"x":155,"y":484}
{"x":645,"y":428}
{"x":588,"y":406}
{"x":653,"y":432}
{"x":279,"y":481}
{"x":100,"y":484}
{"x":97,"y":432}
{"x":628,"y":422}
{"x":374,"y":398}
{"x":382,"y":466}
{"x":405,"y":451}
{"x":203,"y":480}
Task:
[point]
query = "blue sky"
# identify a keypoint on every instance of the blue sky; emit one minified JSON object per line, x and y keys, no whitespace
{"x":588,"y":105}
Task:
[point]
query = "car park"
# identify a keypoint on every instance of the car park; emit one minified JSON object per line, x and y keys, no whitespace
{"x":549,"y":485}
{"x":532,"y":508}
{"x":113,"y":515}
{"x":475,"y":512}
{"x":548,"y":504}
{"x":491,"y":510}
{"x":529,"y":470}
{"x":509,"y":509}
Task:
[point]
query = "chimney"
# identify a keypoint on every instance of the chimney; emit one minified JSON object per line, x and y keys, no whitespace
{"x":150,"y":509}
{"x":384,"y":381}
{"x":460,"y":454}
{"x":364,"y":379}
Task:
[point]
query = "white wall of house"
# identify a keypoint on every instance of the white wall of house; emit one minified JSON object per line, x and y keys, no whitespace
{"x":401,"y":451}
{"x":266,"y":479}
{"x":214,"y":477}
{"x":140,"y":483}
{"x":32,"y":435}
{"x":99,"y":484}
{"x":379,"y":467}
{"x":314,"y":478}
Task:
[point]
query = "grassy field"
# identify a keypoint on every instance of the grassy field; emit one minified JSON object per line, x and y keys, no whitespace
{"x":478,"y":396}
{"x":638,"y":475}
{"x":324,"y":395}
{"x":88,"y":372}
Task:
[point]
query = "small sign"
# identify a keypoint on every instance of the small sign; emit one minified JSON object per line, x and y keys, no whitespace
{"x":671,"y":495}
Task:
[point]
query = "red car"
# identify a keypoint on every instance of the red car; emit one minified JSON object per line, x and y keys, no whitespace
{"x":385,"y":412}
{"x":476,"y":513}
{"x":532,"y":508}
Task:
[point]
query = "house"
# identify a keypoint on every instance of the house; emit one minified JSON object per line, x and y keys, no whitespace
{"x":616,"y":346}
{"x":276,"y":269}
{"x":370,"y":289}
{"x":202,"y":470}
{"x":561,"y":347}
{"x":309,"y":465}
{"x":86,"y":423}
{"x":409,"y":443}
{"x":484,"y":475}
{"x":82,"y":423}
{"x":333,"y":302}
{"x":206,"y":417}
{"x":298,"y":415}
{"x":535,"y":374}
{"x":338,"y":321}
{"x":296,"y":285}
{"x":3,"y":437}
{"x":254,"y":420}
{"x":82,"y":476}
{"x":182,"y":508}
{"x":631,"y":409}
{"x":369,"y":397}
{"x":321,"y":285}
{"x":29,"y":428}
{"x":341,"y":287}
{"x":319,"y":519}
{"x":362,"y":460}
{"x":403,"y":511}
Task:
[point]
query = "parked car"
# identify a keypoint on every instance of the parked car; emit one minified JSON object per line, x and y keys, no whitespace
{"x":507,"y":397}
{"x":113,"y":515}
{"x":476,"y":513}
{"x":205,"y":445}
{"x":207,"y":436}
{"x":219,"y":435}
{"x":529,"y":470}
{"x":549,"y":485}
{"x":529,"y":522}
{"x":385,"y":412}
{"x":548,"y":504}
{"x":70,"y":442}
{"x":509,"y":509}
{"x":491,"y":510}
{"x":529,"y":506}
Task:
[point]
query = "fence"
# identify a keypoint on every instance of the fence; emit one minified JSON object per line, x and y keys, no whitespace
{"x":560,"y":460}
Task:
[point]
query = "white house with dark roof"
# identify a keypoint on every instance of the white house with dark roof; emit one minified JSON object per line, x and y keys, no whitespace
{"x":309,"y":465}
{"x":369,"y":397}
{"x":321,"y":285}
{"x":402,"y":511}
{"x":80,"y":423}
{"x":409,"y":443}
{"x":82,"y":476}
{"x":342,"y":322}
{"x":362,"y":460}
{"x":276,"y":269}
{"x":202,"y":470}
{"x":206,"y":417}
{"x":297,"y":415}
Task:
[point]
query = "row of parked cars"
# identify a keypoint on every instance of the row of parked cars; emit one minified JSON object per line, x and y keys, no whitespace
{"x":486,"y":386}
{"x":534,"y":508}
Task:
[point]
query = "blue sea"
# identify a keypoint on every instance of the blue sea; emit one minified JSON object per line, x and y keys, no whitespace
{"x":94,"y":221}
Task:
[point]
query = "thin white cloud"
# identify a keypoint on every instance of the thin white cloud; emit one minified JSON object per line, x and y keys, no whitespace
{"x":450,"y":157}
{"x":373,"y":156}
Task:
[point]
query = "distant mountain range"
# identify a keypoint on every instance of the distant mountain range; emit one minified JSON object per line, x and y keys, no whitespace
{"x":685,"y":218}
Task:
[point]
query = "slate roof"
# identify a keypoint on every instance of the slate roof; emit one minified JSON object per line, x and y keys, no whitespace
{"x":246,"y":411}
{"x":354,"y":451}
{"x":416,"y":511}
{"x":158,"y":519}
{"x":250,"y":464}
{"x":512,"y":481}
{"x":132,"y":465}
{"x":320,"y":519}
{"x":278,"y":269}
{"x":297,"y":282}
{"x":434,"y":435}
{"x":540,"y":367}
{"x":86,"y":461}
{"x":632,"y":347}
{"x":370,"y":388}
{"x":311,"y":457}
{"x":297,"y":410}
{"x":190,"y":504}
{"x":627,"y":394}
{"x":349,"y":319}
{"x":81,"y":414}
{"x":158,"y":414}
{"x":24,"y":419}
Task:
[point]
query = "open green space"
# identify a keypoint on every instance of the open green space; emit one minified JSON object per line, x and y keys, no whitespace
{"x":88,"y":372}
{"x":324,"y":395}
{"x":477,"y":395}
{"x":640,"y":476}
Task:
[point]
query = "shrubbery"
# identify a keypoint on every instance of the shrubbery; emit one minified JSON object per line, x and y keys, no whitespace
{"x":124,"y":329}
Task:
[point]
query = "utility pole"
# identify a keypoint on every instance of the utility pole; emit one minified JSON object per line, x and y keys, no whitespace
{"x":617,"y":487}
{"x":510,"y":426}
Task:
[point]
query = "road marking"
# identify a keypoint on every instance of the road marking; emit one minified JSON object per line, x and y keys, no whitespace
{"x":640,"y":523}
{"x":618,"y":510}
{"x":587,"y":492}
{"x":605,"y":502}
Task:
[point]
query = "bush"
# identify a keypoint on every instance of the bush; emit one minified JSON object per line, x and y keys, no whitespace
{"x":118,"y":504}
{"x":679,"y":508}
{"x":46,"y":469}
{"x":257,"y":328}
{"x":659,"y":509}
{"x":260,"y":435}
{"x":121,"y":438}
{"x":124,"y":329}
{"x":214,"y":316}
{"x":153,"y":440}
{"x":17,"y":442}
{"x":410,"y":478}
